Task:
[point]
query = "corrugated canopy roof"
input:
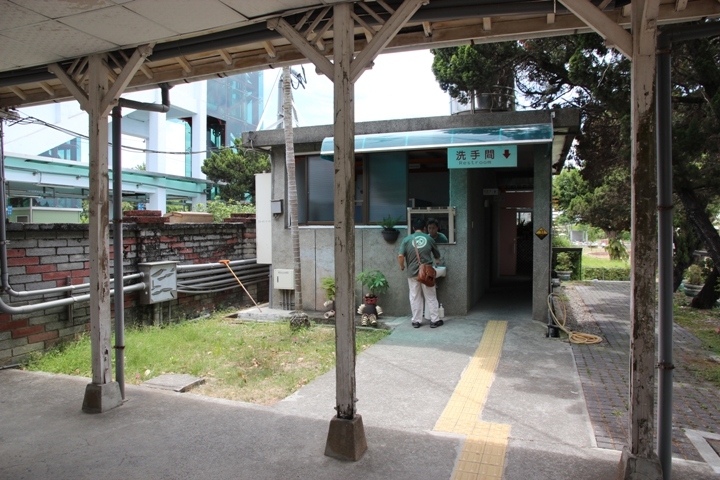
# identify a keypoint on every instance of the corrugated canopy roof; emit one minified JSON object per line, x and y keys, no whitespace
{"x":452,"y":137}
{"x":195,"y":40}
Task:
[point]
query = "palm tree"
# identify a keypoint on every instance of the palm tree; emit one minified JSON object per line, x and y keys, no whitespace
{"x":292,"y":191}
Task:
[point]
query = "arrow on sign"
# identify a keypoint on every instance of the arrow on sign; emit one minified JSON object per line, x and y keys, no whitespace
{"x":506,"y":154}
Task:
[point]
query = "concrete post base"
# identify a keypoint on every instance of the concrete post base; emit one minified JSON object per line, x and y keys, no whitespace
{"x":633,"y":467}
{"x":101,"y":398}
{"x":346,"y":439}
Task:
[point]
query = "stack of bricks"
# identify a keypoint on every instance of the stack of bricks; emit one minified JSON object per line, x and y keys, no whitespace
{"x":245,"y":218}
{"x":144,"y":216}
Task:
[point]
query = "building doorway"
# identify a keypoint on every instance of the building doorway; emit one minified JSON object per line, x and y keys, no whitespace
{"x":515,"y":235}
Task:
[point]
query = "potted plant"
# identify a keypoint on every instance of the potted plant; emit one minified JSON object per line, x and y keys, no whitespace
{"x":374,"y":282}
{"x":389,"y":233}
{"x":327,"y":284}
{"x":563,"y":266}
{"x":694,"y":280}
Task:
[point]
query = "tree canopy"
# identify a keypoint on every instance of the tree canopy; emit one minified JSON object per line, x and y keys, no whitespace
{"x":235,"y":168}
{"x":580,"y":71}
{"x":468,"y":70}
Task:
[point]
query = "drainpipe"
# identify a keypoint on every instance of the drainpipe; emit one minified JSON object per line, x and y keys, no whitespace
{"x":3,"y":213}
{"x":663,"y":129}
{"x":119,"y":300}
{"x":665,"y":254}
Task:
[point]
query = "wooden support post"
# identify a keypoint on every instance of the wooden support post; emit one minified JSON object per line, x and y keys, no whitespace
{"x":346,"y":438}
{"x":102,"y":394}
{"x":344,"y":211}
{"x":342,"y":443}
{"x":639,"y":459}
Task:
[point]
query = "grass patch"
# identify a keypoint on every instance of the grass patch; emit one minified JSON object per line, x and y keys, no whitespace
{"x":705,"y":325}
{"x":599,"y":262}
{"x":248,"y":361}
{"x":602,"y":268}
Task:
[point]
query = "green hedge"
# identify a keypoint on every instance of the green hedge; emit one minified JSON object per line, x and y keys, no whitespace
{"x":606,"y":273}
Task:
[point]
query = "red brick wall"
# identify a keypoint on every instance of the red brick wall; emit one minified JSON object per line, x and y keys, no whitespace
{"x":42,"y":256}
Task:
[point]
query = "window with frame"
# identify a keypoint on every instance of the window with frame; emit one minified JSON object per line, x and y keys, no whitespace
{"x":386,"y":184}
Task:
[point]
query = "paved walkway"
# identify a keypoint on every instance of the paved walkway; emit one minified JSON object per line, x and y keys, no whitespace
{"x":486,"y":396}
{"x":604,"y":373}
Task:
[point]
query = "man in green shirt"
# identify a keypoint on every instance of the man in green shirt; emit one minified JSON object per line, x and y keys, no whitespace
{"x":419,"y":294}
{"x":433,"y":231}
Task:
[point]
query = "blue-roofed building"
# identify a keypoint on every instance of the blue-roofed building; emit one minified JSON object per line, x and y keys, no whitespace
{"x":486,"y":177}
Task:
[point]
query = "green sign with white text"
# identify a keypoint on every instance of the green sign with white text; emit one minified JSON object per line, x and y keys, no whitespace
{"x":483,"y":156}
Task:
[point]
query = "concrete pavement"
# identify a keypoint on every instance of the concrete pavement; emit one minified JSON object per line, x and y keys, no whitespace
{"x":405,"y":386}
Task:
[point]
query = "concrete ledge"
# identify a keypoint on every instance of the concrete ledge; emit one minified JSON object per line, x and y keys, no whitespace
{"x":101,"y":398}
{"x":346,"y":439}
{"x":633,"y":467}
{"x":174,"y":381}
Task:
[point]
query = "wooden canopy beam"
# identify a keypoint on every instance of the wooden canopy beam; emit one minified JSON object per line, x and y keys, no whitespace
{"x":386,"y":33}
{"x":614,"y":35}
{"x":299,"y":42}
{"x":69,"y":83}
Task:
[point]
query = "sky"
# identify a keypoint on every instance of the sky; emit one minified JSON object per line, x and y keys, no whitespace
{"x":400,"y":85}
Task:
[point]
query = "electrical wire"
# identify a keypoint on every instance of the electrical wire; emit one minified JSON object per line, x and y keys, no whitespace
{"x":30,"y":120}
{"x":574,"y":337}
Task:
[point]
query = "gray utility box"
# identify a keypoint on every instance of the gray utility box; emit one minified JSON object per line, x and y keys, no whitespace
{"x":160,"y":282}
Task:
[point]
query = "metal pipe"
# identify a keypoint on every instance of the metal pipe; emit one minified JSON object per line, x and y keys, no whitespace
{"x":69,"y":288}
{"x":119,"y":300}
{"x":200,"y":275}
{"x":679,"y":33}
{"x":200,"y":283}
{"x":218,"y":279}
{"x":5,"y":308}
{"x":3,"y":212}
{"x":194,"y":292}
{"x":665,"y":255}
{"x":207,"y":266}
{"x":204,"y":278}
{"x":663,"y":92}
{"x":163,"y":107}
{"x":215,"y":274}
{"x":206,"y":285}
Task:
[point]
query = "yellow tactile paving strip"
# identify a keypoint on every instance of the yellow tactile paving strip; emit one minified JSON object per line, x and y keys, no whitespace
{"x":483,"y":454}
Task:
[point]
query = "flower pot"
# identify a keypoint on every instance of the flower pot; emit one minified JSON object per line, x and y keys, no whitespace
{"x":691,"y":290}
{"x":390,"y":235}
{"x":564,"y":275}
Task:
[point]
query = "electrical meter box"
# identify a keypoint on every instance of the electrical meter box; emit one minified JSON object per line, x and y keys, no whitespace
{"x":160,"y":282}
{"x":284,"y":279}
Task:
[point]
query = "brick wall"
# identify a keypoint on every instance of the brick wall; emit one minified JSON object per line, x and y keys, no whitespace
{"x":42,"y":256}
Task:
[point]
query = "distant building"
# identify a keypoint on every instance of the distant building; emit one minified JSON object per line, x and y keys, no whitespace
{"x":203,"y":116}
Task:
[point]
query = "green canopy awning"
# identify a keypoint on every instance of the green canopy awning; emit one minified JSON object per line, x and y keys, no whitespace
{"x":444,"y":138}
